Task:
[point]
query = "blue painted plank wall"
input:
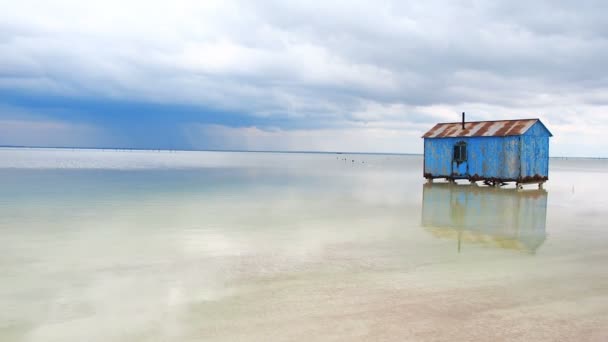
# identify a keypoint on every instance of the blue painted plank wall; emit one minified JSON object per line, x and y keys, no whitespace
{"x":535,"y":152}
{"x":438,"y":156}
{"x":488,"y":157}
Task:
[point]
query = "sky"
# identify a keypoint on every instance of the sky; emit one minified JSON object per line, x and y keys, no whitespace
{"x":365,"y":76}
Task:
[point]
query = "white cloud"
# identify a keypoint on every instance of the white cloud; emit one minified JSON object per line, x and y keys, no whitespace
{"x":388,"y":64}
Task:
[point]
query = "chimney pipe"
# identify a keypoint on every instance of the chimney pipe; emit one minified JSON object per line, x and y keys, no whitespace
{"x":462,"y":120}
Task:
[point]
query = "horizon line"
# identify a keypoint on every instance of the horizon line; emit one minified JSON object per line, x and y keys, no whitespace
{"x":238,"y":150}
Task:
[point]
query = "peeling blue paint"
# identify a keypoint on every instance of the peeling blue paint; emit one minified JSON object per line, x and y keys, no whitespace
{"x":509,"y":158}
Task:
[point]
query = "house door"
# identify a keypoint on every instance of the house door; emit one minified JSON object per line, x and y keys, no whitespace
{"x":460,"y":166}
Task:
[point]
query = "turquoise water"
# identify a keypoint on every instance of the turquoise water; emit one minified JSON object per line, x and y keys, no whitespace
{"x":206,"y":246}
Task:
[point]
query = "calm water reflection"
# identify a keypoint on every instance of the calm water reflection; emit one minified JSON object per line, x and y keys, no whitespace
{"x":503,"y":218}
{"x":208,"y":246}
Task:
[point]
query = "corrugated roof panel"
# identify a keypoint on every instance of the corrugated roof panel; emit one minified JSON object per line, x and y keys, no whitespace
{"x":500,"y":128}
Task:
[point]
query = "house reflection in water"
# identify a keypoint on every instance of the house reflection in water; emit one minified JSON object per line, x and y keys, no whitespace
{"x":503,"y":218}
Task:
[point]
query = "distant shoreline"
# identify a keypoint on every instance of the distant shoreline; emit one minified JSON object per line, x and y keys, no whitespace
{"x":193,"y":150}
{"x":129,"y":149}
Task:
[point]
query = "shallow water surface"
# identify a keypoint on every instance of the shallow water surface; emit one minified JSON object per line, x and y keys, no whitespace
{"x":209,"y":246}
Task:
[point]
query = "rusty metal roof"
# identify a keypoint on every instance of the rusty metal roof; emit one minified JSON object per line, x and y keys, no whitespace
{"x":500,"y":128}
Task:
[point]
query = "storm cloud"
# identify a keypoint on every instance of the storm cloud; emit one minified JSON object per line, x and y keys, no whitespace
{"x":271,"y":72}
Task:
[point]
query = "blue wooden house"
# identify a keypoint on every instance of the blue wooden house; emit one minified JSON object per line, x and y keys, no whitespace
{"x":494,"y":152}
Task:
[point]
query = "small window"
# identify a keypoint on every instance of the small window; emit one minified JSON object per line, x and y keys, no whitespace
{"x":460,"y":152}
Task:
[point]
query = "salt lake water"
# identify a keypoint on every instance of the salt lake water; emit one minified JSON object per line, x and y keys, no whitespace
{"x":232,"y":246}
